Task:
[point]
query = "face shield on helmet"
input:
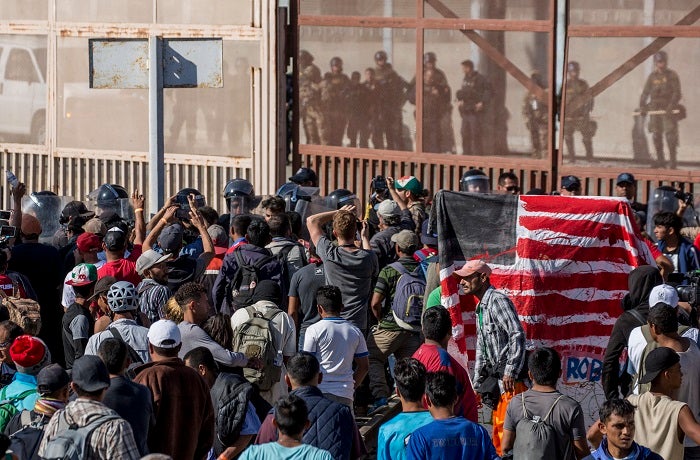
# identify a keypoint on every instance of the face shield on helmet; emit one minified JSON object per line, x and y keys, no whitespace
{"x":475,"y":183}
{"x":240,"y":204}
{"x":342,"y":197}
{"x":113,"y":198}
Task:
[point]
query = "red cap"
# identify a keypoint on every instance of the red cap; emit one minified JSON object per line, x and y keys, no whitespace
{"x":87,"y":242}
{"x":473,"y":266}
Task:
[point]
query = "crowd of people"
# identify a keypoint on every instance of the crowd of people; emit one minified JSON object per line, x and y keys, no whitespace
{"x":366,"y":108}
{"x":263,"y":333}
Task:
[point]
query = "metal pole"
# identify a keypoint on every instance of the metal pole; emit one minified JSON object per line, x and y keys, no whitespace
{"x":156,"y":160}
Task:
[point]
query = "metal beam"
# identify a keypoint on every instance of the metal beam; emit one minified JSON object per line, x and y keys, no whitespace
{"x":156,"y":160}
{"x":630,"y":64}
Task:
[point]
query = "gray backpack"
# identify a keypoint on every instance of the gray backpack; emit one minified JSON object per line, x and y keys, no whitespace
{"x":407,"y":305}
{"x":255,"y":339}
{"x":71,"y":442}
{"x":535,"y":439}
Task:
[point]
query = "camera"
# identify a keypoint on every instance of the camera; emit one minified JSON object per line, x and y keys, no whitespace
{"x":686,"y":197}
{"x":689,"y":291}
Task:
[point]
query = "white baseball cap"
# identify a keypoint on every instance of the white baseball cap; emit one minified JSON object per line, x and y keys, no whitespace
{"x":663,"y":293}
{"x":164,"y":334}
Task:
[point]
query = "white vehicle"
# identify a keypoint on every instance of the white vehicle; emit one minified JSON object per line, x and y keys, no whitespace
{"x":23,"y":90}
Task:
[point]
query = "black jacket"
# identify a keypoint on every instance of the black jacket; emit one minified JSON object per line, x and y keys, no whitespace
{"x":640,"y":283}
{"x":230,"y":394}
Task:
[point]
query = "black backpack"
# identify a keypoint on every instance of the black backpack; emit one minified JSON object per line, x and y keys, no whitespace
{"x":244,"y":281}
{"x":24,"y":443}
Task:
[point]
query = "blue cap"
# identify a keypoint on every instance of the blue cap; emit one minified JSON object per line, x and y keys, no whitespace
{"x":625,"y":177}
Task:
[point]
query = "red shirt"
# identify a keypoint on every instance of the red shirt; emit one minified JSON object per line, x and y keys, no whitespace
{"x":123,"y":269}
{"x":437,"y":359}
{"x":7,"y":285}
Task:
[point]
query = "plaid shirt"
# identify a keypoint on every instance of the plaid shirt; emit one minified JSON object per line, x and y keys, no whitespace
{"x":112,"y":439}
{"x":500,"y":336}
{"x":152,"y":299}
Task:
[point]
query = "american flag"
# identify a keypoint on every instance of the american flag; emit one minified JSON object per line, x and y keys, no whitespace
{"x":563,"y":261}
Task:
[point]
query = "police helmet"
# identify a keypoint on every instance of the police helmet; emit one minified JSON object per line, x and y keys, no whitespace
{"x":573,"y":66}
{"x":238,"y":187}
{"x":122,"y":296}
{"x":293,"y":194}
{"x":661,"y":56}
{"x":336,"y":62}
{"x":305,"y":57}
{"x":429,"y":57}
{"x":380,"y":55}
{"x":339,"y":198}
{"x":181,"y":198}
{"x":474,"y":180}
{"x":108,"y":194}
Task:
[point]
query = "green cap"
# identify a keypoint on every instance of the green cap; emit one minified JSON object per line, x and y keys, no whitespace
{"x":409,"y":183}
{"x":82,"y":275}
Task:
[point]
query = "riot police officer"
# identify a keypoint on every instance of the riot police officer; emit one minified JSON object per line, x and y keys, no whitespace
{"x":473,"y":97}
{"x":392,"y":96}
{"x":240,"y":199}
{"x":334,"y":93}
{"x":536,"y":113}
{"x":310,"y":98}
{"x":475,"y":181}
{"x":661,"y":95}
{"x":578,"y":118}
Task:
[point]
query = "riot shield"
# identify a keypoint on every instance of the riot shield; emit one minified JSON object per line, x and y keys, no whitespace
{"x":47,"y":209}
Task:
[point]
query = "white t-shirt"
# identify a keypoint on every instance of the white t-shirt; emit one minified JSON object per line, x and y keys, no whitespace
{"x":68,"y":293}
{"x":284,"y":334}
{"x":637,"y":343}
{"x":336,"y":343}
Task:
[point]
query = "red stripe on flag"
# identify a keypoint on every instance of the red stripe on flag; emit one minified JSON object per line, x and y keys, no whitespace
{"x":575,"y":227}
{"x":522,"y":281}
{"x":557,"y":304}
{"x":571,"y":205}
{"x":533,"y":249}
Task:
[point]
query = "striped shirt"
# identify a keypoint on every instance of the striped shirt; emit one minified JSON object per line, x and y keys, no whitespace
{"x":152,"y":299}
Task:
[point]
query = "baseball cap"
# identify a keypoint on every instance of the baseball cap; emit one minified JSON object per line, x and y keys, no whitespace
{"x":663,"y":293}
{"x":87,"y":242}
{"x":304,"y":175}
{"x":410,"y":183}
{"x":96,"y":226}
{"x":30,"y":225}
{"x":473,"y":266}
{"x":51,"y":378}
{"x":90,"y":373}
{"x":406,"y":239}
{"x":115,"y":239}
{"x":218,"y":236}
{"x":102,"y":286}
{"x":29,"y":354}
{"x":149,"y":259}
{"x":570,"y":182}
{"x":164,"y":334}
{"x":388,"y":208}
{"x":657,"y":361}
{"x":427,"y":238}
{"x":170,"y":239}
{"x":625,"y":177}
{"x":82,"y":275}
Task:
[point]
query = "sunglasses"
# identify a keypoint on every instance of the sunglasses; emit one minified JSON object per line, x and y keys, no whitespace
{"x":513,"y":188}
{"x":573,"y":188}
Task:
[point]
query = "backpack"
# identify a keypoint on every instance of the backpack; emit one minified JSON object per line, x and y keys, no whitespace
{"x":245,"y":279}
{"x":407,"y":305}
{"x":651,"y":345}
{"x":8,"y":406}
{"x":24,"y":443}
{"x":71,"y":443}
{"x":254,"y":338}
{"x":535,"y":438}
{"x":24,"y":312}
{"x":282,"y":257}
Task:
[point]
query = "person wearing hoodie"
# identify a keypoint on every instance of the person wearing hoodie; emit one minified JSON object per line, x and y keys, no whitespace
{"x":636,"y":309}
{"x":266,"y":301}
